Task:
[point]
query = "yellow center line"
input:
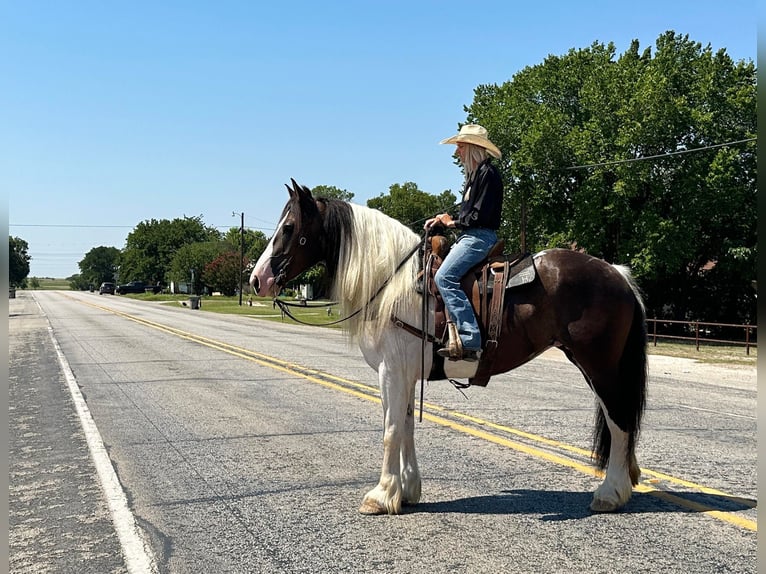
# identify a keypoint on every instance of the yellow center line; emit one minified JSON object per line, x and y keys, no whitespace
{"x":370,"y":393}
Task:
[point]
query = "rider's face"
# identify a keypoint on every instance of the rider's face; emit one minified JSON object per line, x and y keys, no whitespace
{"x":460,"y":152}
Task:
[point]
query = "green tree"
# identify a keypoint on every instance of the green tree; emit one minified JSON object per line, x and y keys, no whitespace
{"x":575,"y":131}
{"x":194,"y":256}
{"x":223,"y":273}
{"x":151,"y":246}
{"x":78,"y":283}
{"x":100,"y":264}
{"x":255,"y":242}
{"x":411,"y":206}
{"x":330,"y":191}
{"x":18,"y":261}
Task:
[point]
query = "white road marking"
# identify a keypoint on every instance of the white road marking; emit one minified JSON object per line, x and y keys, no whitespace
{"x":715,"y":412}
{"x":136,"y":551}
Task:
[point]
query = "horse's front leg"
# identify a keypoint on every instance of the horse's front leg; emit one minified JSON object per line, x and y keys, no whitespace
{"x":386,"y":497}
{"x":410,"y":473}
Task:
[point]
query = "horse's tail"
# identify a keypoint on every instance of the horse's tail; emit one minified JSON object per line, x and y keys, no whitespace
{"x":632,"y":378}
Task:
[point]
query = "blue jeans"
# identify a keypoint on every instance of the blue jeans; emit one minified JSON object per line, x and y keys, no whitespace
{"x":472,"y":246}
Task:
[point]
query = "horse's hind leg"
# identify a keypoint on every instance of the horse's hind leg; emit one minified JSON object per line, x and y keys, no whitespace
{"x":622,"y":470}
{"x":614,"y":440}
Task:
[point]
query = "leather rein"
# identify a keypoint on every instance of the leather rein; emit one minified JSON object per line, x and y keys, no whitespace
{"x":284,"y":306}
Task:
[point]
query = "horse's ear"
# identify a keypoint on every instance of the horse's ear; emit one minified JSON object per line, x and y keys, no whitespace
{"x":305,"y":199}
{"x":301,"y":191}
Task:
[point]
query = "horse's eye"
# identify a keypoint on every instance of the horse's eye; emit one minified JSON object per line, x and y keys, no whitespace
{"x":287,"y":228}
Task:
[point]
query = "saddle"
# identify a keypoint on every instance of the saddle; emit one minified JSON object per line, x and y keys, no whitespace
{"x":486,"y":286}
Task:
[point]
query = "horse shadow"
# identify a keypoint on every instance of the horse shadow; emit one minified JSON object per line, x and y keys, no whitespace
{"x":556,"y":505}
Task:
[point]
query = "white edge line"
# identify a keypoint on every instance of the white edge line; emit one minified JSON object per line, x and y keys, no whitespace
{"x":135,"y":549}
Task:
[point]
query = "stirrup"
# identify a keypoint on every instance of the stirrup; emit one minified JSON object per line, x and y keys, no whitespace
{"x":470,"y":356}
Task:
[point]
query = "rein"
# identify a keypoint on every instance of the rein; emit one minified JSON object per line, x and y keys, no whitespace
{"x":284,"y":306}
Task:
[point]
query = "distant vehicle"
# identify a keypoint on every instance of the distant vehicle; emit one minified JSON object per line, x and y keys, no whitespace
{"x":137,"y":287}
{"x":107,"y":288}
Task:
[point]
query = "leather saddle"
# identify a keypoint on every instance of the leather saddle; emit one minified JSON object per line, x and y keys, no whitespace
{"x":486,"y":286}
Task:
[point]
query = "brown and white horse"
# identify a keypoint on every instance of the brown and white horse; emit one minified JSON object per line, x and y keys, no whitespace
{"x":588,"y":308}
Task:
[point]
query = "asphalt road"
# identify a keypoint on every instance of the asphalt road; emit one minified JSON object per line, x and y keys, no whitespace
{"x":241,"y":445}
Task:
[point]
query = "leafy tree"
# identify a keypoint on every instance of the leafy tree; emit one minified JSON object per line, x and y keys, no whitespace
{"x":78,"y":283}
{"x":34,"y":283}
{"x":330,"y":191}
{"x":151,"y":246}
{"x":223,"y":273}
{"x":575,"y":131}
{"x":194,"y":256}
{"x":411,"y":206}
{"x":18,"y":261}
{"x":100,"y":264}
{"x":255,"y":242}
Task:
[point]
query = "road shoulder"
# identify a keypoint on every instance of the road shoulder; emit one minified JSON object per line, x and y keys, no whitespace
{"x":57,"y":513}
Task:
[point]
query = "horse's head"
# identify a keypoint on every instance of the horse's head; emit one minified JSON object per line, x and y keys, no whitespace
{"x":296,"y":245}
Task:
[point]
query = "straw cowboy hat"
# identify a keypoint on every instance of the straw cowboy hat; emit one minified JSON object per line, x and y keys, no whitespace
{"x":474,"y":134}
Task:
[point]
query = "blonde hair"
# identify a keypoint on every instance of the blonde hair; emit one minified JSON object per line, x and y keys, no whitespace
{"x":474,"y":155}
{"x":368,"y":260}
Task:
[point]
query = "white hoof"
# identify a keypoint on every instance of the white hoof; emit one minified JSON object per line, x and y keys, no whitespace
{"x":411,"y":494}
{"x":601,"y":505}
{"x":381,"y":501}
{"x":607,"y":499}
{"x":372,"y":508}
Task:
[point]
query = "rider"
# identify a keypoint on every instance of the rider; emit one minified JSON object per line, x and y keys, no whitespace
{"x":478,"y":221}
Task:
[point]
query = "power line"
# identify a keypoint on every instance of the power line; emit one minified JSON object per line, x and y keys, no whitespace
{"x":78,"y":226}
{"x":669,"y":154}
{"x":74,"y":226}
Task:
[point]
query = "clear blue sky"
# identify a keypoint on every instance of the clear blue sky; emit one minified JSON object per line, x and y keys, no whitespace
{"x":118,"y":112}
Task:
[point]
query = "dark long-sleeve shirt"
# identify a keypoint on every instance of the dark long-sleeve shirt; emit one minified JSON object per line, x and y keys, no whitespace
{"x":482,"y":199}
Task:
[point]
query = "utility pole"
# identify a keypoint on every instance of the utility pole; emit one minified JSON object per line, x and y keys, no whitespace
{"x":241,"y":250}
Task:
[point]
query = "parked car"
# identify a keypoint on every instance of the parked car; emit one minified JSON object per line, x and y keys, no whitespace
{"x":107,"y":288}
{"x":137,"y":287}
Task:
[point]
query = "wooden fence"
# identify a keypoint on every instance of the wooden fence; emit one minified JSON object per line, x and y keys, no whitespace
{"x":699,"y":331}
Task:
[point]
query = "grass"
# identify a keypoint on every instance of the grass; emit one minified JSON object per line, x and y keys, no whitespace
{"x":710,"y":353}
{"x":262,"y":308}
{"x":51,"y":283}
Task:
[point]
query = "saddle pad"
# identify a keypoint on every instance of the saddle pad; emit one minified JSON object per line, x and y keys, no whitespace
{"x":522,"y":273}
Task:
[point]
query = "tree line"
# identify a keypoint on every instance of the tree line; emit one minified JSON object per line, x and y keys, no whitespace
{"x":183,"y":250}
{"x":646,"y":158}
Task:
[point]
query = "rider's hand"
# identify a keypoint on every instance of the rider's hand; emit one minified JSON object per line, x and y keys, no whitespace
{"x":442,"y":219}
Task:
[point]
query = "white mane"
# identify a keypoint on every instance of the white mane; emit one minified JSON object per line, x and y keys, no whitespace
{"x":377,"y":245}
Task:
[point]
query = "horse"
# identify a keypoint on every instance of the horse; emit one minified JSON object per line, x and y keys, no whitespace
{"x":588,"y":308}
